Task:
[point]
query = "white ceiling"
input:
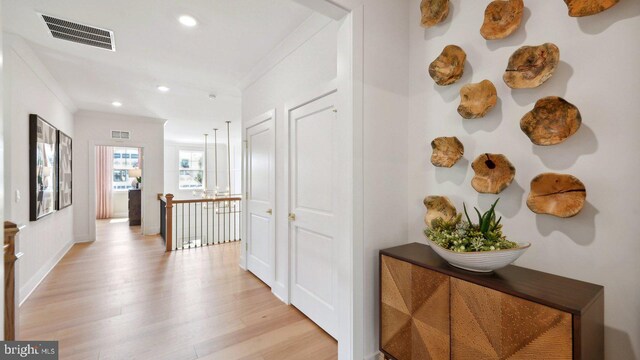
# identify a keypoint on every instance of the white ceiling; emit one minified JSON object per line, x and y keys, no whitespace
{"x":153,"y":48}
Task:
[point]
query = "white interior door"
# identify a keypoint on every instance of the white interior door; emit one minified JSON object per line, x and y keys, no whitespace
{"x":314,"y":229}
{"x":260,"y":193}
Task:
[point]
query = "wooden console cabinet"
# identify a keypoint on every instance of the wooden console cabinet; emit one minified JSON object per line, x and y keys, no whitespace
{"x":135,"y":207}
{"x":431,"y":310}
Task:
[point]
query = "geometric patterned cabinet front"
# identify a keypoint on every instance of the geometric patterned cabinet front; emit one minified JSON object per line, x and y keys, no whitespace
{"x":415,"y":310}
{"x":487,"y":324}
{"x":431,"y":310}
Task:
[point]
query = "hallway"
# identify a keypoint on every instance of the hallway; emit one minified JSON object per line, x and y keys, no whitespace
{"x":123,"y":297}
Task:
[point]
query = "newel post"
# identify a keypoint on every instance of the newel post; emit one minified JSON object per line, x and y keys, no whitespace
{"x":10,"y":300}
{"x":169,"y":222}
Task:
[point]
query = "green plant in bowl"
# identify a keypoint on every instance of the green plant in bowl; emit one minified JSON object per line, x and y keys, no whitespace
{"x":459,"y":235}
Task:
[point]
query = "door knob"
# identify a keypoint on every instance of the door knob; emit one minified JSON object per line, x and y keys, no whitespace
{"x":270,"y":211}
{"x":292,"y":217}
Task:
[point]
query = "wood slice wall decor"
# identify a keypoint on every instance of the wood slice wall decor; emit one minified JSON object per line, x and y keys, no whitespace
{"x":493,"y":173}
{"x":446,"y":151}
{"x":476,"y":100}
{"x":578,"y":8}
{"x":551,"y":121}
{"x":448,"y":67}
{"x":439,"y":207}
{"x":433,"y":12}
{"x":560,"y":195}
{"x":501,"y":19}
{"x":531,"y":66}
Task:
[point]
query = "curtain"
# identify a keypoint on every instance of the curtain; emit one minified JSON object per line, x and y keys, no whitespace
{"x":140,"y":160}
{"x":104,"y":178}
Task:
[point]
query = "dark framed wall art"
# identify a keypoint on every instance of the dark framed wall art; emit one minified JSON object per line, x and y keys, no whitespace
{"x":65,"y":162}
{"x":43,"y":173}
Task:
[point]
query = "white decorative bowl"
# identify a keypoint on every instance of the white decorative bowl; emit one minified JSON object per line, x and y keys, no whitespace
{"x":482,"y":261}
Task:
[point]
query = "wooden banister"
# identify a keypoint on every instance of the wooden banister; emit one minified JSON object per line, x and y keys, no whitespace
{"x":193,"y":201}
{"x":10,"y":294}
{"x":169,"y":222}
{"x":210,"y":220}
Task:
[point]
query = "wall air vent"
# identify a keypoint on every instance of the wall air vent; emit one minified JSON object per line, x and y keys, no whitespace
{"x":120,"y":135}
{"x":78,"y":33}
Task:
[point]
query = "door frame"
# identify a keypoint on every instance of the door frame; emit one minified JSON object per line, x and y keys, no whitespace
{"x":269,"y":115}
{"x":351,"y":309}
{"x":92,"y":182}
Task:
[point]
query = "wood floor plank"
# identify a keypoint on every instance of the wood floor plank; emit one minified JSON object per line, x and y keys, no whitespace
{"x":261,"y":343}
{"x":123,"y":297}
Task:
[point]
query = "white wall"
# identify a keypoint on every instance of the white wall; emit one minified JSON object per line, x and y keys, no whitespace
{"x":307,"y":67}
{"x":382,"y":29}
{"x":120,"y":204}
{"x":236,"y":166}
{"x":598,"y":73}
{"x":385,"y":112}
{"x":94,"y":128}
{"x":30,"y":89}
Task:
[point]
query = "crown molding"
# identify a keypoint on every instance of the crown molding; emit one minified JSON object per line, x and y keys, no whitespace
{"x":325,"y":7}
{"x":303,"y":33}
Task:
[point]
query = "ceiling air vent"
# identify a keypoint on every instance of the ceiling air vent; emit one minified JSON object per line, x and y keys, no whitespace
{"x":78,"y":33}
{"x":120,"y":135}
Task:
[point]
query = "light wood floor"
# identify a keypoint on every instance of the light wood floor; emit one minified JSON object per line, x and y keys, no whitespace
{"x":123,"y":297}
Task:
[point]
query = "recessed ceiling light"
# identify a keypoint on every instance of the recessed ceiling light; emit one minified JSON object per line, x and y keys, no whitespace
{"x":188,"y":21}
{"x":116,"y":103}
{"x":163,"y":88}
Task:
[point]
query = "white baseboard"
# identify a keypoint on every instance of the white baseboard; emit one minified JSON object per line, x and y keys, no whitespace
{"x":82,"y":238}
{"x":280,"y":291}
{"x":32,"y":284}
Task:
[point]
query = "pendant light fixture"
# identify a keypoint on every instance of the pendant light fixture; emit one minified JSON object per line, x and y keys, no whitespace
{"x":205,"y":178}
{"x":212,"y":191}
{"x":228,"y":159}
{"x":203,"y":193}
{"x":215,"y":152}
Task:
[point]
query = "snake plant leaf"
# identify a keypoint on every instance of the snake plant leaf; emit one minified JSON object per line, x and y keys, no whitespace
{"x":464,"y":206}
{"x":495,"y":226}
{"x":479,"y":216}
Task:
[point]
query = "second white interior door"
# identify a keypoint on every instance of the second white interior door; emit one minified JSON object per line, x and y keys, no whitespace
{"x":260,"y":179}
{"x":313,"y":230}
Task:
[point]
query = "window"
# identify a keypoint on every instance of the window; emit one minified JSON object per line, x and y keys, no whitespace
{"x":191,"y":169}
{"x":124,"y":159}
